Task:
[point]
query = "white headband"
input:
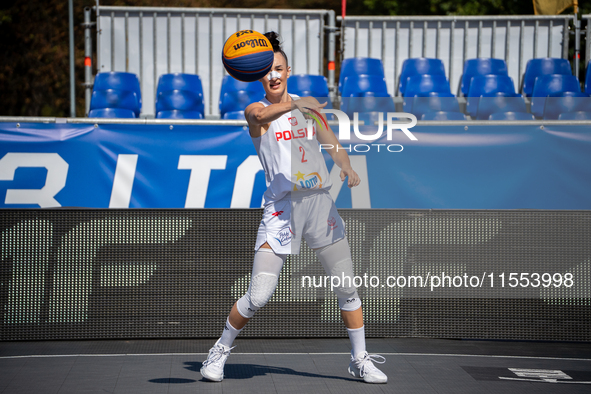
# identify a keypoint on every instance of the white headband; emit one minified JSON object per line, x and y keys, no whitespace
{"x":273,"y":74}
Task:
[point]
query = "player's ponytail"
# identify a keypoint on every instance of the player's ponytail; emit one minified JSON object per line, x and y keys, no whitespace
{"x":274,"y":39}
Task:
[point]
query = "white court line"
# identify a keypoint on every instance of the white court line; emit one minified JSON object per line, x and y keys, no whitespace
{"x":543,"y":380}
{"x":293,"y":354}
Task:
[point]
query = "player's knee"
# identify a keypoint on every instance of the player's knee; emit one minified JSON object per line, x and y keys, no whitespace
{"x":262,"y":287}
{"x":260,"y":291}
{"x":350,"y":304}
{"x":244,"y":307}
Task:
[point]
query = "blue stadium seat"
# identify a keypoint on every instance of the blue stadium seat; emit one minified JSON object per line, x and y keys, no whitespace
{"x":115,"y":98}
{"x":362,"y":86}
{"x":426,"y":83}
{"x":237,"y":115}
{"x":231,"y":84}
{"x":308,"y":85}
{"x":488,"y":86}
{"x":511,"y":116}
{"x":559,"y":103}
{"x":588,"y":79}
{"x":546,"y":85}
{"x":179,"y":81}
{"x":367,"y":105}
{"x":418,"y":66}
{"x":182,"y":92}
{"x":236,"y":95}
{"x":544,"y":66}
{"x":183,"y":100}
{"x":119,"y":81}
{"x":238,"y":100}
{"x":483,"y":84}
{"x":499,"y":102}
{"x":360,"y":66}
{"x":431,"y":102}
{"x":443,"y":115}
{"x":111,"y":113}
{"x":481,"y":66}
{"x":179,"y":114}
{"x":369,"y":120}
{"x":357,"y":85}
{"x":579,"y":115}
{"x":378,"y":93}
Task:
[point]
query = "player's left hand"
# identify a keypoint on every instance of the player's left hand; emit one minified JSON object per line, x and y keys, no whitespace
{"x":354,"y":179}
{"x":307,"y":104}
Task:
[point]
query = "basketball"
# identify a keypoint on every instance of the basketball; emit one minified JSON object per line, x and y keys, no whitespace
{"x":248,"y":55}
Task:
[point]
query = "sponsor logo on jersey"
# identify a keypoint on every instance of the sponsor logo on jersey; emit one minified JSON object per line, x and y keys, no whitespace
{"x":284,"y":236}
{"x":317,"y":116}
{"x":307,"y":181}
{"x":278,"y":213}
{"x":332,"y":222}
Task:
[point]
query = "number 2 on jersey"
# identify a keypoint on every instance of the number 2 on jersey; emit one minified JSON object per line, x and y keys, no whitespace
{"x":303,"y":154}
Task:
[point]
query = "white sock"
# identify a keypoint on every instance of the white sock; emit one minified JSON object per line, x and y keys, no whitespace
{"x":357,"y":337}
{"x":229,"y":334}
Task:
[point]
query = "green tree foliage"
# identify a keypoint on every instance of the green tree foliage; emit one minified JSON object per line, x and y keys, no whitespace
{"x":34,"y":54}
{"x":34,"y":58}
{"x":449,"y":7}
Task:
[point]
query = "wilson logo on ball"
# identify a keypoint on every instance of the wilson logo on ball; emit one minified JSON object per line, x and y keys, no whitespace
{"x":252,"y":43}
{"x":248,"y":55}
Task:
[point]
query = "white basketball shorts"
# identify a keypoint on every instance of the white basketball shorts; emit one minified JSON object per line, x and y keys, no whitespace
{"x":311,"y":215}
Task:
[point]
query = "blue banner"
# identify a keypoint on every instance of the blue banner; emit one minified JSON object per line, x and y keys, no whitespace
{"x":163,"y":166}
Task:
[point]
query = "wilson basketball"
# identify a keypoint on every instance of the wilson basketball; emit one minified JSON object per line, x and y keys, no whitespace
{"x":248,"y":55}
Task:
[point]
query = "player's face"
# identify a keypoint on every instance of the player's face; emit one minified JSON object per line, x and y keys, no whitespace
{"x":275,"y":82}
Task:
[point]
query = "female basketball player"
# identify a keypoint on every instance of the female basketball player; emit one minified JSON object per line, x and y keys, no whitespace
{"x":297,"y":203}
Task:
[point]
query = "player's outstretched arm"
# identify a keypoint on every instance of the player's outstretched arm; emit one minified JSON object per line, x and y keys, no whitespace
{"x":257,"y":114}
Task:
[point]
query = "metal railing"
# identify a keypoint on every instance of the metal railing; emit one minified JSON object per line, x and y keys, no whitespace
{"x":17,"y":120}
{"x":151,"y":41}
{"x":587,"y":18}
{"x":453,"y":39}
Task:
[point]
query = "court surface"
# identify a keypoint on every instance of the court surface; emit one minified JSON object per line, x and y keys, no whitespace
{"x":311,"y":366}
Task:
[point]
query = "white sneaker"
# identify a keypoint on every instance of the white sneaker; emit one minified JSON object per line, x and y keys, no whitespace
{"x":213,"y":368}
{"x":362,"y":367}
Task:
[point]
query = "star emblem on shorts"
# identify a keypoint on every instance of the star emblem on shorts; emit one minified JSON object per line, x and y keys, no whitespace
{"x":299,"y":176}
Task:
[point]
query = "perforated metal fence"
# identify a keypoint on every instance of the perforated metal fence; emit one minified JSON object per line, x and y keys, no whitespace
{"x":151,"y":41}
{"x":79,"y":274}
{"x":453,"y":39}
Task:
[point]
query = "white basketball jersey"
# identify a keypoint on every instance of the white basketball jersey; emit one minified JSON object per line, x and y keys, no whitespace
{"x":292,"y":162}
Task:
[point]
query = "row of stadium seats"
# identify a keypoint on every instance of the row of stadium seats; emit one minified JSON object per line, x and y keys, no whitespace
{"x":472,"y":67}
{"x":423,"y":84}
{"x":118,"y":95}
{"x":235,"y":95}
{"x":180,"y":96}
{"x":485,"y":83}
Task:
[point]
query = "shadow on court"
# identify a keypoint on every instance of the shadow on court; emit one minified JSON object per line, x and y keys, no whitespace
{"x":172,"y":380}
{"x":248,"y":371}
